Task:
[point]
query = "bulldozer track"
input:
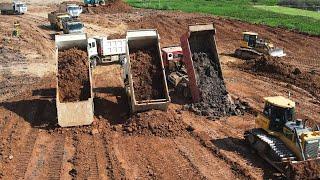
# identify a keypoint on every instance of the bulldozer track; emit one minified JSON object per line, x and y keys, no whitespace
{"x":55,"y":161}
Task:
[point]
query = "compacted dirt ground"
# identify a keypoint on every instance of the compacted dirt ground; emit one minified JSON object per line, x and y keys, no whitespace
{"x":177,"y":144}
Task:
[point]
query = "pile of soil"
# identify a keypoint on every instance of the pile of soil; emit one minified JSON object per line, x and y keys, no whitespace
{"x":274,"y":68}
{"x":147,"y":74}
{"x":117,"y":6}
{"x":215,"y":101}
{"x":305,"y":170}
{"x":156,"y":123}
{"x":73,"y":75}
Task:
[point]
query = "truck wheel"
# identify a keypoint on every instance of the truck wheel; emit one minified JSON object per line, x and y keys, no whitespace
{"x":93,"y":63}
{"x":101,"y":3}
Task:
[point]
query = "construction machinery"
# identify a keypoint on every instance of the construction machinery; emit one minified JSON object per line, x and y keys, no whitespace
{"x":104,"y":51}
{"x":94,"y":2}
{"x":199,"y":38}
{"x":56,"y":19}
{"x":144,"y":39}
{"x":252,"y":47}
{"x":79,"y":112}
{"x":72,"y":26}
{"x":15,"y":7}
{"x":175,"y":70}
{"x":73,"y":10}
{"x":281,"y":139}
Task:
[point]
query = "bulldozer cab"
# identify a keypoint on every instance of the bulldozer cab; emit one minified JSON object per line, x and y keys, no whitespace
{"x":249,"y":39}
{"x":279,"y":110}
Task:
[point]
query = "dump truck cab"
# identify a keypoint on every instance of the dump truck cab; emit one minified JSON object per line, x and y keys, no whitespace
{"x":74,"y":10}
{"x":172,"y":57}
{"x":20,"y":7}
{"x":94,"y":2}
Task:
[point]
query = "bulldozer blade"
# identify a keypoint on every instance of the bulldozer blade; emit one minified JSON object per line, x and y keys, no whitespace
{"x":309,"y":169}
{"x":277,"y":53}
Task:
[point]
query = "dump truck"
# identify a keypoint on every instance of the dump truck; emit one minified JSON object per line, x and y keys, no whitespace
{"x":139,"y":40}
{"x":287,"y":143}
{"x":104,"y":51}
{"x":72,"y":26}
{"x":13,"y":8}
{"x":79,"y":112}
{"x":199,"y":38}
{"x":56,"y":20}
{"x":94,"y":2}
{"x":251,"y":47}
{"x":73,"y":10}
{"x":176,"y":72}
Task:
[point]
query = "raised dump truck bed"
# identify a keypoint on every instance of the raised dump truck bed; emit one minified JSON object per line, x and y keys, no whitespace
{"x":199,"y":38}
{"x":145,"y":75}
{"x":74,"y":98}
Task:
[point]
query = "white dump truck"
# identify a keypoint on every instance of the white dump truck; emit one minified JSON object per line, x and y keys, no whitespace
{"x":78,"y":112}
{"x":72,"y":9}
{"x":102,"y":50}
{"x":13,"y":8}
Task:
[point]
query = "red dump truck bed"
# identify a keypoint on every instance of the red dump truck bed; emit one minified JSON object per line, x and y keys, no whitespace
{"x":199,"y":38}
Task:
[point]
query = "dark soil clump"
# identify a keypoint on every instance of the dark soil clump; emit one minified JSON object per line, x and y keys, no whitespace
{"x":156,"y":123}
{"x":214,"y":99}
{"x":73,"y":75}
{"x":147,"y":74}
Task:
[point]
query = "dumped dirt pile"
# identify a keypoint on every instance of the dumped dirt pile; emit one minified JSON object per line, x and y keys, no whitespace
{"x":274,"y":68}
{"x":73,"y":75}
{"x":147,"y":74}
{"x":214,"y":96}
{"x":156,"y":123}
{"x":305,"y":170}
{"x":118,"y":6}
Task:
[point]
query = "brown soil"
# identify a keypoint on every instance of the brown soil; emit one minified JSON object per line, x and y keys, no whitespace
{"x":73,"y":75}
{"x":274,"y":68}
{"x":147,"y":74}
{"x":118,"y":6}
{"x":305,"y":170}
{"x":156,"y":123}
{"x":213,"y":150}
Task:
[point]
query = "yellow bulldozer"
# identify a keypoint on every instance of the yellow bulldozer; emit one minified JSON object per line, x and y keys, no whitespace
{"x":284,"y":141}
{"x":252,"y":47}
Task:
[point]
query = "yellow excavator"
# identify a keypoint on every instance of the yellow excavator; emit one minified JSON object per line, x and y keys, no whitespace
{"x":284,"y":141}
{"x":252,"y":47}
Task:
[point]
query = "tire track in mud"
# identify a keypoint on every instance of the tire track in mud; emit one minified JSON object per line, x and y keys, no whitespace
{"x":56,"y":159}
{"x":85,"y":161}
{"x":115,"y":170}
{"x":236,"y":168}
{"x":25,"y":154}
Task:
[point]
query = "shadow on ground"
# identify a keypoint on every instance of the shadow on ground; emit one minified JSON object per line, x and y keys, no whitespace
{"x":116,"y":112}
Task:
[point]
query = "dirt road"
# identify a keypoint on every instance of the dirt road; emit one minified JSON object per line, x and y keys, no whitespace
{"x":32,"y":146}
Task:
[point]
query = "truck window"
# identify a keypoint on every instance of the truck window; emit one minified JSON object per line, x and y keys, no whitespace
{"x":93,"y":44}
{"x":90,"y":45}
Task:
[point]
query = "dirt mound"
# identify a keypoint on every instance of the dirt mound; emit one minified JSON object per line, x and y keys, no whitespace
{"x":117,"y":6}
{"x":156,"y":123}
{"x":147,"y":74}
{"x":274,"y":68}
{"x":73,"y":75}
{"x":305,"y":170}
